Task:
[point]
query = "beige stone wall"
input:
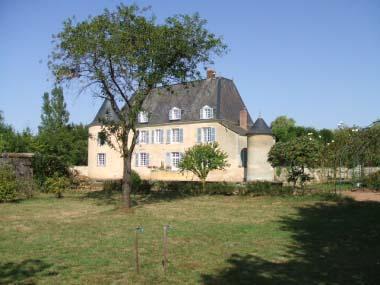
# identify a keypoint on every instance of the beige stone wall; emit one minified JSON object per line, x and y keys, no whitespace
{"x":114,"y":163}
{"x":228,"y":140}
{"x":258,"y":166}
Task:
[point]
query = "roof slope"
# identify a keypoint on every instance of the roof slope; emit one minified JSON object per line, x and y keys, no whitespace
{"x":104,"y":111}
{"x":218,"y":93}
{"x":260,"y":127}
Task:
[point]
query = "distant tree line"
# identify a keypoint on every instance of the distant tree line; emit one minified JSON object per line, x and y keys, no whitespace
{"x":299,"y":148}
{"x":58,"y":143}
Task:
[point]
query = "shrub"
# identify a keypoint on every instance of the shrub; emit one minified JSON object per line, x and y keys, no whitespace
{"x":372,"y":181}
{"x":266,"y":188}
{"x":8,"y":184}
{"x":116,"y":185}
{"x":223,"y":188}
{"x":45,"y":166}
{"x":57,"y":185}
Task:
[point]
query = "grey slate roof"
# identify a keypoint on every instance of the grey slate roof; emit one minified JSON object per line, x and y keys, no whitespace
{"x":218,"y":93}
{"x":104,"y":111}
{"x":260,"y":127}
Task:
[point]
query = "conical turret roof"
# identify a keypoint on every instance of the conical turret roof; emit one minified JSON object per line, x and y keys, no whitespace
{"x":105,"y":112}
{"x":260,"y":127}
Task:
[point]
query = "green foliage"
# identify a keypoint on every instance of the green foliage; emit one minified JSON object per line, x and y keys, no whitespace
{"x":261,"y":188}
{"x":45,"y":166}
{"x":203,"y":158}
{"x":372,"y":181}
{"x":57,"y":184}
{"x":54,"y":113}
{"x":281,"y":128}
{"x":8,"y":184}
{"x":297,"y":154}
{"x":124,"y":52}
{"x":116,"y":185}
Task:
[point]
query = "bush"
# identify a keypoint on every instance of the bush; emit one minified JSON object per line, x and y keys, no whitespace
{"x":116,"y":185}
{"x":57,"y":185}
{"x":8,"y":184}
{"x":372,"y":181}
{"x":266,"y":188}
{"x":45,"y":166}
{"x":223,"y":188}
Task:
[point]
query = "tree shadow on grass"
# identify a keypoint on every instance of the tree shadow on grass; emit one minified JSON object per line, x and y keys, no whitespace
{"x":107,"y":197}
{"x":24,"y":272}
{"x":333,"y":244}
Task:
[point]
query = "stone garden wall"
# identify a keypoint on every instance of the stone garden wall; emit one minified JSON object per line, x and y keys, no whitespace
{"x":21,"y":163}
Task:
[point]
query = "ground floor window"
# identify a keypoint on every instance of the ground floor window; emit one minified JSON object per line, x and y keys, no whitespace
{"x":142,"y":159}
{"x":173,"y":159}
{"x":101,"y":159}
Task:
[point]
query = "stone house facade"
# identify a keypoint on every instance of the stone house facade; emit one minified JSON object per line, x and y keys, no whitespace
{"x":173,"y":120}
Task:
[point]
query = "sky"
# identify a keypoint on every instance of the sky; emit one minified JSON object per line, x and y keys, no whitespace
{"x":317,"y":62}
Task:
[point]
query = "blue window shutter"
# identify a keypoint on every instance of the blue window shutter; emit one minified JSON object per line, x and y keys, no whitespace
{"x":199,"y":135}
{"x":161,"y":136}
{"x":213,"y":138}
{"x":168,"y":136}
{"x":167,"y":159}
{"x":136,"y":159}
{"x":181,"y":135}
{"x":153,"y":138}
{"x":147,"y":159}
{"x":138,"y":138}
{"x":147,"y":137}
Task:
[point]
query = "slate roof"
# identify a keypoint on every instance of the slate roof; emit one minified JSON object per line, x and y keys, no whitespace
{"x":105,"y":109}
{"x":218,"y":93}
{"x":260,"y":127}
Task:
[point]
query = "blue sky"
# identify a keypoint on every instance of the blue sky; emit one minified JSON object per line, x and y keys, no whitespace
{"x":315,"y":61}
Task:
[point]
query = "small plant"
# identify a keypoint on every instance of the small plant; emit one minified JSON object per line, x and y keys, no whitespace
{"x":57,"y":185}
{"x":8,"y":184}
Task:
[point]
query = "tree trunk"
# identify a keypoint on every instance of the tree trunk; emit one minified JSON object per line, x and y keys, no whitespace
{"x":127,"y":185}
{"x":204,"y":185}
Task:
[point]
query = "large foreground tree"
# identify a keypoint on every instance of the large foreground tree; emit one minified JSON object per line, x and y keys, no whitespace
{"x":123,"y":55}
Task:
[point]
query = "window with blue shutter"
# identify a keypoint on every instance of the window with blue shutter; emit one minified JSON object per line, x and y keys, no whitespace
{"x":168,"y":136}
{"x":199,"y":135}
{"x":168,"y":159}
{"x":181,"y":135}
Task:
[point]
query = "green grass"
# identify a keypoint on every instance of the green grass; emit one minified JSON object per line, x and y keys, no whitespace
{"x":85,"y":238}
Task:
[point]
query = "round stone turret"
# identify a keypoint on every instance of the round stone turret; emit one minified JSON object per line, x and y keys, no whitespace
{"x":260,"y":141}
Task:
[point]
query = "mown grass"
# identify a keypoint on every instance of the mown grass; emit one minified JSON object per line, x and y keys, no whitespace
{"x":85,"y":238}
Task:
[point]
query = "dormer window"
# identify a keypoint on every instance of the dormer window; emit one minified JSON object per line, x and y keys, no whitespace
{"x":174,"y":114}
{"x":142,"y":117}
{"x":206,"y":113}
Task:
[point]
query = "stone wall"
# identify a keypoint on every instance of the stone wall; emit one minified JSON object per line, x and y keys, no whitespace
{"x":320,"y":175}
{"x":20,"y":162}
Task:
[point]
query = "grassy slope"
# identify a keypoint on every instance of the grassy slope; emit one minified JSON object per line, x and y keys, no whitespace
{"x":216,"y":240}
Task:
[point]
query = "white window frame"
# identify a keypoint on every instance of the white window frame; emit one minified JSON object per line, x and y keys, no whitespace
{"x":175,"y":114}
{"x":101,"y":159}
{"x":142,"y":117}
{"x":142,"y":159}
{"x":206,"y":113}
{"x":175,"y":158}
{"x":175,"y":135}
{"x":143,"y":137}
{"x":158,"y":136}
{"x":207,"y":135}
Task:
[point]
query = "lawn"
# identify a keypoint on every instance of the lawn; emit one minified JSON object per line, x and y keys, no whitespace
{"x":85,"y":238}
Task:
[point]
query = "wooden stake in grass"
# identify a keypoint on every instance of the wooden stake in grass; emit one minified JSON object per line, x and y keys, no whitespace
{"x":165,"y":248}
{"x":137,"y":263}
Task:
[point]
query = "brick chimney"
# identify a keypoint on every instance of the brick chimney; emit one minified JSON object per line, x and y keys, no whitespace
{"x":244,"y":119}
{"x":210,"y":73}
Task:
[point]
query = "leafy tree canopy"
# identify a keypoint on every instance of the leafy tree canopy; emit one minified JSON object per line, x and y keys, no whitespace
{"x":203,"y":158}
